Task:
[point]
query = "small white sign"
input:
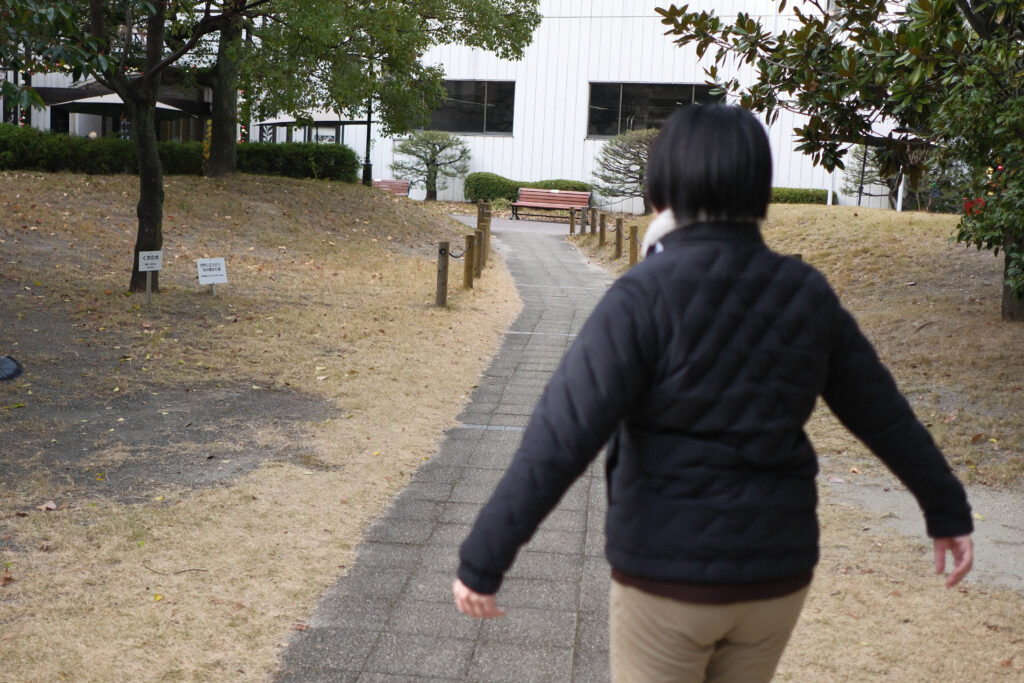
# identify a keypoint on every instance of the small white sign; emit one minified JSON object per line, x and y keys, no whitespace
{"x":150,"y":260}
{"x":212,"y":271}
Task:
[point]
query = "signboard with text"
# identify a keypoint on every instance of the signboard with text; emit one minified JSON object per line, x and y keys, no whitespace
{"x":150,"y":261}
{"x":212,"y":271}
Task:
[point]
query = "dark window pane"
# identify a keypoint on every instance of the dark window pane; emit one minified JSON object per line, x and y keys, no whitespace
{"x":501,"y":98}
{"x":463,"y":110}
{"x":603,"y":115}
{"x":476,"y":107}
{"x":702,"y":95}
{"x":648,"y":105}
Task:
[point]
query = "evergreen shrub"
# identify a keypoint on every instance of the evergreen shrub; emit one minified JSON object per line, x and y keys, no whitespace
{"x":798,"y":195}
{"x":491,"y":186}
{"x":28,"y":148}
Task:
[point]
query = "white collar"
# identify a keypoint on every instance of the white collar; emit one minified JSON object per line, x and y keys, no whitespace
{"x":662,"y":225}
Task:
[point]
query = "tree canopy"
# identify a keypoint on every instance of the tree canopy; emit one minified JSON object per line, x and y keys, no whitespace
{"x":938,"y":75}
{"x":302,"y":54}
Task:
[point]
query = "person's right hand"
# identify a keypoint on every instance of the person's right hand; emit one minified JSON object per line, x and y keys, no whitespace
{"x":962,"y":549}
{"x":475,"y":604}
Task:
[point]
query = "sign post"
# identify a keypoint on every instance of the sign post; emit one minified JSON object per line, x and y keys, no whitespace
{"x":150,"y":261}
{"x":213,"y":272}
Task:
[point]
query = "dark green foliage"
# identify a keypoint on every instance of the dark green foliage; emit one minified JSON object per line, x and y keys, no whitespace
{"x":798,"y":195}
{"x":300,"y":160}
{"x":29,"y":148}
{"x":490,"y":186}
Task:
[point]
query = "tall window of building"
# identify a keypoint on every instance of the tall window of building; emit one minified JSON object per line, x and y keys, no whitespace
{"x":476,"y":107}
{"x":618,"y":107}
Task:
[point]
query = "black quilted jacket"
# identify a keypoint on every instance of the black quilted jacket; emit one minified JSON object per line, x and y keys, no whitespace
{"x":702,"y":365}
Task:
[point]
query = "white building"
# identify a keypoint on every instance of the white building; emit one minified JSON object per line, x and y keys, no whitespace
{"x":595,"y":68}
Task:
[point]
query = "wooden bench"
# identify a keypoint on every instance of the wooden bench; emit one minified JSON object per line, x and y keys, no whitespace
{"x":399,"y":187}
{"x":564,"y":200}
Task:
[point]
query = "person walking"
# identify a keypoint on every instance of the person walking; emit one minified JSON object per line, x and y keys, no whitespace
{"x":699,"y":369}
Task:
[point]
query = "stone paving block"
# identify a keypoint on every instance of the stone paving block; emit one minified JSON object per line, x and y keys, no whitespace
{"x":344,"y":612}
{"x":330,"y":651}
{"x":459,"y":513}
{"x":431,"y":585}
{"x":400,"y":531}
{"x":433,"y":619}
{"x":504,"y":663}
{"x":450,"y":535}
{"x":592,"y":632}
{"x":557,"y":541}
{"x":471,"y":493}
{"x":372,"y":554}
{"x":535,"y":627}
{"x":405,"y":507}
{"x":539,"y":593}
{"x":428,"y":490}
{"x":421,"y":656}
{"x":531,"y":564}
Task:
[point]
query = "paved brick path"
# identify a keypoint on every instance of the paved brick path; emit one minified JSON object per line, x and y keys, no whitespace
{"x":392,"y":617}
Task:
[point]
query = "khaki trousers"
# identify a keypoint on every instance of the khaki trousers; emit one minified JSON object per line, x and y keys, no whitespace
{"x":658,"y":639}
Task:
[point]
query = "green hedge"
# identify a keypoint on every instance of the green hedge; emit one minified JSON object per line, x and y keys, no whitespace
{"x":28,"y":148}
{"x":490,"y":186}
{"x":798,"y":195}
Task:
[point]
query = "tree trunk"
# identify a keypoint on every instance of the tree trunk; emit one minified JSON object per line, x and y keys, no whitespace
{"x":431,"y":183}
{"x":150,"y":209}
{"x":1013,"y":307}
{"x":224,"y":83}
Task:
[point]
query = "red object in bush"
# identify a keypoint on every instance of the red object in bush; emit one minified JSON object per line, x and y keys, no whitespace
{"x":973,"y":207}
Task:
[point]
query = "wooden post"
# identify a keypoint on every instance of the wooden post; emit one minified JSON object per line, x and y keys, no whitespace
{"x":634,"y":245}
{"x":479,"y":211}
{"x":593,"y":221}
{"x":468,"y":256}
{"x":618,"y":238}
{"x":478,"y":264}
{"x":572,"y":222}
{"x":583,"y":220}
{"x":441,"y":298}
{"x":601,"y":230}
{"x":487,"y":235}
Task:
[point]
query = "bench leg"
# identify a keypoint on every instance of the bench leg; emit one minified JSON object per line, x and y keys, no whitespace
{"x":515,"y":213}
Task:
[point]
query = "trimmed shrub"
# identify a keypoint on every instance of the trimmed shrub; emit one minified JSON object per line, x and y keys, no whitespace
{"x":798,"y":195}
{"x":300,"y":160}
{"x":29,"y":148}
{"x":488,"y":187}
{"x":491,"y":186}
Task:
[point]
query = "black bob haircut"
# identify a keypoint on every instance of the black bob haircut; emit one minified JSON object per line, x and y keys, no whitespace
{"x":711,"y":163}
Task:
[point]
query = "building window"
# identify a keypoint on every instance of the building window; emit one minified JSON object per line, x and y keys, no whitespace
{"x":618,"y":107}
{"x":476,"y":107}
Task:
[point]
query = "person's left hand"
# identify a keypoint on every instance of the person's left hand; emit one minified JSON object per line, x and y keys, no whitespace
{"x":475,"y":604}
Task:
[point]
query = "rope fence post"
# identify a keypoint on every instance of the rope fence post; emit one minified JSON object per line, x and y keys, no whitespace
{"x":602,"y":230}
{"x":572,"y":222}
{"x":634,"y":245}
{"x":470,"y":256}
{"x":486,"y":251}
{"x":618,"y":238}
{"x":583,"y":220}
{"x":441,"y":297}
{"x":478,"y":254}
{"x":593,"y":221}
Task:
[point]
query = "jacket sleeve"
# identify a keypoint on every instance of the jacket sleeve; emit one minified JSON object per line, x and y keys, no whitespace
{"x":865,"y":398}
{"x":592,"y":389}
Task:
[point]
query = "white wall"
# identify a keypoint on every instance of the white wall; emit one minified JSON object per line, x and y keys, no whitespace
{"x":577,"y":43}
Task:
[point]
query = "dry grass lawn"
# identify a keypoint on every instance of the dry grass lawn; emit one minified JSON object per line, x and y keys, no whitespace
{"x":329,"y":306}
